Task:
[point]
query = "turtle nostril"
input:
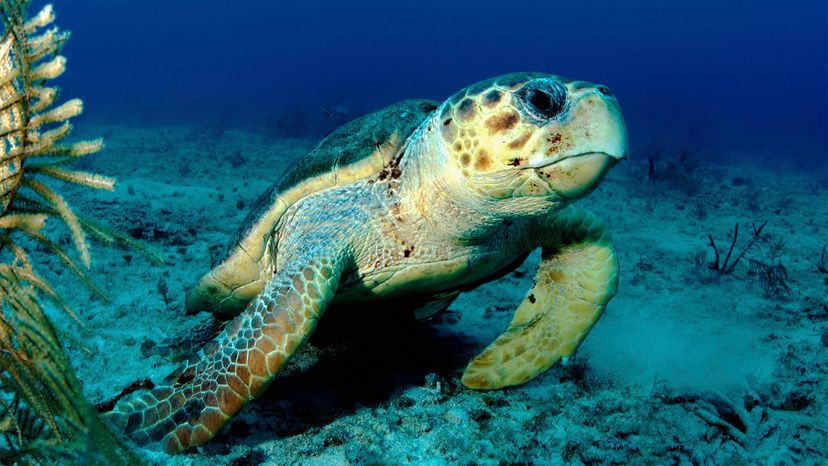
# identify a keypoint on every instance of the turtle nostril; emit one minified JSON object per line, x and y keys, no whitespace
{"x":605,"y":91}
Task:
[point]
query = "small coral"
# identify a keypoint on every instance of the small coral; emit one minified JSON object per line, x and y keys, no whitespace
{"x":772,"y":278}
{"x":727,"y":267}
{"x":746,"y":422}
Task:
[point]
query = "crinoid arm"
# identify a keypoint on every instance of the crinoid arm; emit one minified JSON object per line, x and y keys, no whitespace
{"x":44,"y":417}
{"x":43,"y":414}
{"x":32,"y":126}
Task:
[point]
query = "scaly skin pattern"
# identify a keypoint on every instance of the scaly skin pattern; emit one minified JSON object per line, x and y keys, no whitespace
{"x":578,"y":275}
{"x":203,"y":394}
{"x":483,"y":181}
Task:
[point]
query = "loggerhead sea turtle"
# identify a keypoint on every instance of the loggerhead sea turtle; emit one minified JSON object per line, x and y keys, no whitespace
{"x":415,"y":201}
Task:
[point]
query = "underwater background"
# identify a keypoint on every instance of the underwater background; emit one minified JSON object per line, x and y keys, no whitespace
{"x":203,"y":105}
{"x":741,"y":76}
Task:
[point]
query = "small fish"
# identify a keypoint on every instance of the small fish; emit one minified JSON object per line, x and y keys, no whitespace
{"x":336,"y":111}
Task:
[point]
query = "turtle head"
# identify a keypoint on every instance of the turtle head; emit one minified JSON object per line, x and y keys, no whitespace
{"x":531,"y":135}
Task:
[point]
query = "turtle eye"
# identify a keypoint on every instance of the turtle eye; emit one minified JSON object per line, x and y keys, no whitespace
{"x":544,"y":100}
{"x":541,"y":101}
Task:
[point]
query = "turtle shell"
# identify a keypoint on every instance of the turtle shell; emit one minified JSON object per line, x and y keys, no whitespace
{"x":355,"y":151}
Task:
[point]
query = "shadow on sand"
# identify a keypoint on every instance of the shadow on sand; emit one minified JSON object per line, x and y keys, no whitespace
{"x":356,"y":359}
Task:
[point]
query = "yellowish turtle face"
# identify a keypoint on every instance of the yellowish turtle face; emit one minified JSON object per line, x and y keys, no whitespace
{"x":532,"y":135}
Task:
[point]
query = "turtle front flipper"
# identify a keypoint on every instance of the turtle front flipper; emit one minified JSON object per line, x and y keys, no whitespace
{"x":578,"y":275}
{"x":194,"y":402}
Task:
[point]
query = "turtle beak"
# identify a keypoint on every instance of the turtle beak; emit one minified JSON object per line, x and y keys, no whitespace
{"x":596,"y":140}
{"x":604,"y":131}
{"x":576,"y":176}
{"x":212,"y":295}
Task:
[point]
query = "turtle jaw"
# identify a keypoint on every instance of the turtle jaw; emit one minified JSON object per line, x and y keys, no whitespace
{"x":208,"y":295}
{"x":577,"y":175}
{"x":214,"y":295}
{"x":573,"y":158}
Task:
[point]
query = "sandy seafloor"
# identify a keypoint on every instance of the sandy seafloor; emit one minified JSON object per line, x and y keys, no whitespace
{"x":685,"y":367}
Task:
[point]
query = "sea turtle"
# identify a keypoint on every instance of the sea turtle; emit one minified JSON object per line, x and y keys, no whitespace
{"x":416,"y":201}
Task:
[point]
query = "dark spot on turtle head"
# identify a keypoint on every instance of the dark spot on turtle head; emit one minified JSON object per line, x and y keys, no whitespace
{"x":407,"y":252}
{"x":519,"y":142}
{"x":483,"y":161}
{"x":515,"y":162}
{"x":503,"y":122}
{"x":465,"y":159}
{"x":466,"y":110}
{"x":448,"y":131}
{"x":396,"y":172}
{"x":532,"y":298}
{"x":492,"y":98}
{"x":446,"y":112}
{"x":554,"y":139}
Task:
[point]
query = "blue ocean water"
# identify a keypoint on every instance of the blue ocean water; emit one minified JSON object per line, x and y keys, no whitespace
{"x":726,"y":106}
{"x":741,"y":76}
